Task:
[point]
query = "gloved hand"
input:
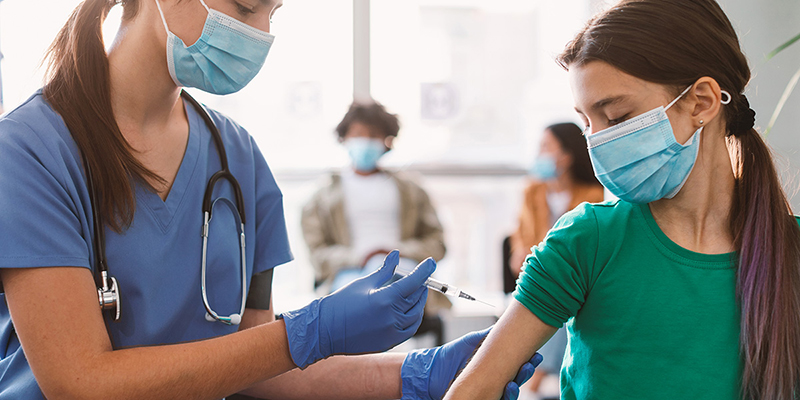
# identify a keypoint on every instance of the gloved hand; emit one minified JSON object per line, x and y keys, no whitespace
{"x":427,"y":373}
{"x":525,"y":373}
{"x":361,"y":317}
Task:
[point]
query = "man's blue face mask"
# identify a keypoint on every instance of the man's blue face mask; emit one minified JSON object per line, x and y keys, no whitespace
{"x":639,"y":160}
{"x":225,"y":58}
{"x":365,"y":152}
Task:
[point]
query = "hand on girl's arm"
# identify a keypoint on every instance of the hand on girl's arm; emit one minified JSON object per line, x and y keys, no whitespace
{"x":421,"y":374}
{"x":512,"y":342}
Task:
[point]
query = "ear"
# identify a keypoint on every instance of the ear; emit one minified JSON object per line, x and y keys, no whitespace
{"x":707,"y":98}
{"x":388,"y":142}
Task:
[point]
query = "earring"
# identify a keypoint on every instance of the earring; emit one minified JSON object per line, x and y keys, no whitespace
{"x":701,"y":122}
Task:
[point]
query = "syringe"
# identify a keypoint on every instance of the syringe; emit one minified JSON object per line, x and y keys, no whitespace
{"x":450,"y":290}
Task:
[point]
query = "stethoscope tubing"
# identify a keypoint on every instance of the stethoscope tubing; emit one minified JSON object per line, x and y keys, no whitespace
{"x":108,"y":287}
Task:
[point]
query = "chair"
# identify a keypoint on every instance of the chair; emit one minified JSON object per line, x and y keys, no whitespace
{"x":509,"y":281}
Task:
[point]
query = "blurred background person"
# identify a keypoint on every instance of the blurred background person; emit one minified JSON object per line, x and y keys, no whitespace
{"x":562,"y":178}
{"x":360,"y":214}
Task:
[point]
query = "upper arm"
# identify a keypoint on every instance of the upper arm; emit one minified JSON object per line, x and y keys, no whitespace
{"x":253,"y":317}
{"x":272,"y":239}
{"x":45,"y":254}
{"x":258,"y":309}
{"x":58,"y":321}
{"x":511,"y":343}
{"x":560,"y":272}
{"x":42,"y":192}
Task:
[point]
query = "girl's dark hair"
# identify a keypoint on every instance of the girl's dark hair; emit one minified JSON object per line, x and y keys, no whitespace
{"x":78,"y":88}
{"x":676,"y":42}
{"x":572,"y":142}
{"x":372,"y":114}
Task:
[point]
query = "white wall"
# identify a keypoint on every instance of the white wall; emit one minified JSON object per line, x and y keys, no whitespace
{"x":762,"y":26}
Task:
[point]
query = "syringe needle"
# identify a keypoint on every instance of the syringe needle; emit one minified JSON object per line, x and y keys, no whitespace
{"x":490,"y":305}
{"x":468,"y":297}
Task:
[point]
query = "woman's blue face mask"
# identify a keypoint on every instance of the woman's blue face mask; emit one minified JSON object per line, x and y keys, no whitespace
{"x":640,"y":160}
{"x":225,"y":58}
{"x":544,"y":168}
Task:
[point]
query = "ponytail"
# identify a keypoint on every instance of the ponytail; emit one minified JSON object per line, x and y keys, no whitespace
{"x":768,"y":281}
{"x":78,"y":88}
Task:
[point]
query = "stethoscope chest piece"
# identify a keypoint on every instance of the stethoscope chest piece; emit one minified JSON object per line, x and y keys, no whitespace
{"x":109,"y":295}
{"x":108,"y":290}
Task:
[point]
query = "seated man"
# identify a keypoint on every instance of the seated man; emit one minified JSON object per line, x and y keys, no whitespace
{"x":364,"y":212}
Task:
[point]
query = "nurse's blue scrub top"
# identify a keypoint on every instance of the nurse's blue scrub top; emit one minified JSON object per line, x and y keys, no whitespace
{"x":46,"y":221}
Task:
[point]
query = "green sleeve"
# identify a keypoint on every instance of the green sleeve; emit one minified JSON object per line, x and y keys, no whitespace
{"x":557,"y":275}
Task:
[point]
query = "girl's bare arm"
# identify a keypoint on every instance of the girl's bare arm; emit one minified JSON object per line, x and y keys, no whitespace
{"x":513,"y":341}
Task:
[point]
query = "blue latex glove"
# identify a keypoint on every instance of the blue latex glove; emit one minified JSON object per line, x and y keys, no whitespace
{"x":362,"y":317}
{"x":525,"y":373}
{"x":427,"y":373}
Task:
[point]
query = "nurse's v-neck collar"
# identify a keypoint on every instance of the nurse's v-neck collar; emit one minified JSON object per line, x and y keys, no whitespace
{"x":163,"y":211}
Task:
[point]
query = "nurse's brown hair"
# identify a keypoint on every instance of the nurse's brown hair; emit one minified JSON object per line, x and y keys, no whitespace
{"x":674,"y":43}
{"x":78,"y":88}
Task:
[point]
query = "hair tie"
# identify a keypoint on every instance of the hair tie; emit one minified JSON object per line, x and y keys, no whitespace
{"x":744,"y":118}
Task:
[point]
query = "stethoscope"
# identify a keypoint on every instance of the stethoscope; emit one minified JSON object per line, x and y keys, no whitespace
{"x":108,"y":288}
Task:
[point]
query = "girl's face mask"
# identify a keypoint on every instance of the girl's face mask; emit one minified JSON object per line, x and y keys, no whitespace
{"x":639,"y":160}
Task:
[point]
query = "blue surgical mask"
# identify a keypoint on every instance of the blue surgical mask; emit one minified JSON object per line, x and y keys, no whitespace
{"x":225,"y":58}
{"x":544,"y":168}
{"x":639,"y":160}
{"x":364,"y":152}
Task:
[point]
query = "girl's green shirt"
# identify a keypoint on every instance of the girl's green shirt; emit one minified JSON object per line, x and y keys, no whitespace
{"x":647,"y":319}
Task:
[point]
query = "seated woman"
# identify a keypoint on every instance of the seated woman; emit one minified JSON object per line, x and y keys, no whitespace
{"x":688,"y":286}
{"x":562,"y":179}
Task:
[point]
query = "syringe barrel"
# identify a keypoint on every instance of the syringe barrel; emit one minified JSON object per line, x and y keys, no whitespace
{"x":442,"y":287}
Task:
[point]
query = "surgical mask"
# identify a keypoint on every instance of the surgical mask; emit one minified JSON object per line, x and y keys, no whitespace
{"x":544,"y":168}
{"x":225,"y":58}
{"x":639,"y":160}
{"x":364,"y":152}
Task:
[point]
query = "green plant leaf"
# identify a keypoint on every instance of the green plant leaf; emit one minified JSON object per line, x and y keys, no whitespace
{"x":782,"y":47}
{"x":786,"y":93}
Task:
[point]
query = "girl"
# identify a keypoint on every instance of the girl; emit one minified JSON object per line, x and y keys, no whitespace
{"x":689,"y":285}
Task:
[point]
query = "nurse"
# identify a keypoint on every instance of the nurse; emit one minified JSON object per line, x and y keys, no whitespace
{"x":120,"y":121}
{"x":688,"y":286}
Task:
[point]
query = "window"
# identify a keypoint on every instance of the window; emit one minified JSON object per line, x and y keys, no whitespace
{"x":474,"y":81}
